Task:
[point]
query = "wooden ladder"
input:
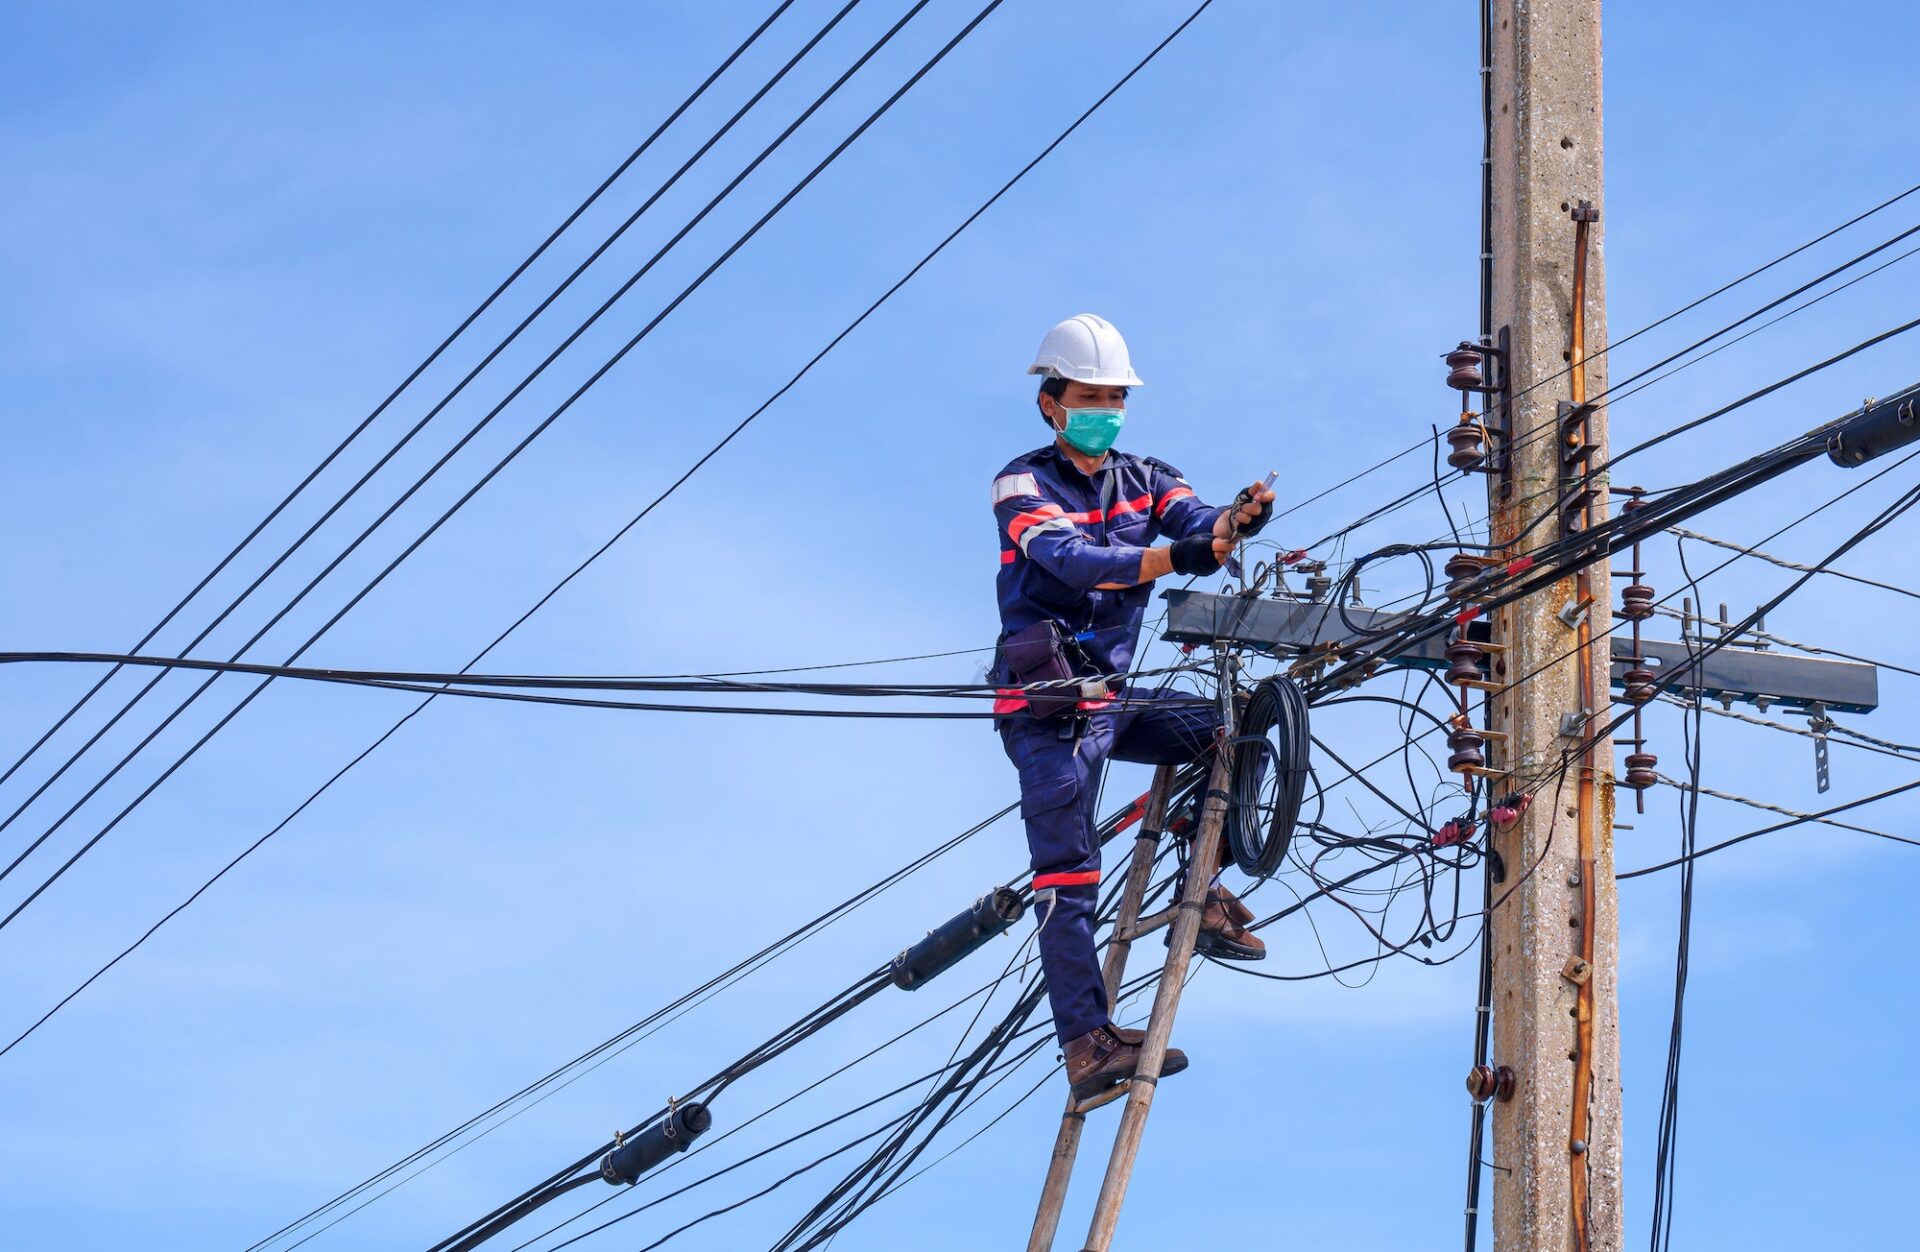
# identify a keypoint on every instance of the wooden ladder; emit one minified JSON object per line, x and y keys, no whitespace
{"x":1184,"y":916}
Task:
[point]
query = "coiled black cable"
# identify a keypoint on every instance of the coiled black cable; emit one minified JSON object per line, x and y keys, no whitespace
{"x":1258,"y":834}
{"x":1342,"y":591}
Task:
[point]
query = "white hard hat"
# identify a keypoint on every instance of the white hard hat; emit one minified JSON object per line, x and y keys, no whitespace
{"x":1085,"y":349}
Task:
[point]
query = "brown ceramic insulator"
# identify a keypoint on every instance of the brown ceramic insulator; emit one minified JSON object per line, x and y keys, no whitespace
{"x":1640,"y":766}
{"x":1463,"y":368}
{"x":1463,"y":661}
{"x":1636,"y":602}
{"x":1640,"y":685}
{"x":1468,"y":444}
{"x":1485,"y":1082}
{"x":1461,"y":570}
{"x":1466,"y":744}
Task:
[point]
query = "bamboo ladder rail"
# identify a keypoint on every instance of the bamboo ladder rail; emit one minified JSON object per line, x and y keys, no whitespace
{"x":1128,"y":927}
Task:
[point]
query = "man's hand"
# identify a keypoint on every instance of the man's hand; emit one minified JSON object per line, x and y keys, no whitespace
{"x":1248,"y":513}
{"x":1244,"y":518}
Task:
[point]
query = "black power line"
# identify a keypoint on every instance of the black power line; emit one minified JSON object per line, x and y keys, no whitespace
{"x":1603,"y":351}
{"x":546,"y":422}
{"x":1789,"y":824}
{"x":386,"y":457}
{"x":621,"y":533}
{"x":399,"y":445}
{"x":613,"y":1046}
{"x":414,"y":374}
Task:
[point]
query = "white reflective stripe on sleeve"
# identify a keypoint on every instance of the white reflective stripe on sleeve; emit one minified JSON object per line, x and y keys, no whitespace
{"x":1010,"y":485}
{"x":1052,"y":523}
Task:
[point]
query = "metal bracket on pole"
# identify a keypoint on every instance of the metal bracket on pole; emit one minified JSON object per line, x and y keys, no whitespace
{"x":1822,"y":765}
{"x":1296,"y":627}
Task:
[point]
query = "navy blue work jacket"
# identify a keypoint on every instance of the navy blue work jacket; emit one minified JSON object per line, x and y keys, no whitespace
{"x":1063,"y":533}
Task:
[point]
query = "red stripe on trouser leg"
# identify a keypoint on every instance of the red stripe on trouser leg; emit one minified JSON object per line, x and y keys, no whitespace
{"x":1081,"y":878}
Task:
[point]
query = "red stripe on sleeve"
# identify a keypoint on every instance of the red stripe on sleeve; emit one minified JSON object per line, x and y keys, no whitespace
{"x":1019,"y":524}
{"x":1178,"y":493}
{"x":1084,"y":878}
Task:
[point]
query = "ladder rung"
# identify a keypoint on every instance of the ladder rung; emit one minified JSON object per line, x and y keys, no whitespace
{"x":1147,"y":925}
{"x":1115,"y":1092}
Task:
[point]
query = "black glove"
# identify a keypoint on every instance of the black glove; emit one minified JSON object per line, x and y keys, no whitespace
{"x":1194,"y":555}
{"x":1259,"y":520}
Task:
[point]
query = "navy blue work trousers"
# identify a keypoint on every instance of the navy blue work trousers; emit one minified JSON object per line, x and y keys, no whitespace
{"x":1059,"y":787}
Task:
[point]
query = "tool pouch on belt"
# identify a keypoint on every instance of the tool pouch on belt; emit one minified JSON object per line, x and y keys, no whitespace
{"x":1041,"y":653}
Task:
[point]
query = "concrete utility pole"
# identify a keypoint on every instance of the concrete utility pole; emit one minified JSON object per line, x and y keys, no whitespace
{"x":1556,"y":1142}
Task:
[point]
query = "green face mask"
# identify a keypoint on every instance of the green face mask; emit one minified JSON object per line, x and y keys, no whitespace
{"x":1093,"y":431}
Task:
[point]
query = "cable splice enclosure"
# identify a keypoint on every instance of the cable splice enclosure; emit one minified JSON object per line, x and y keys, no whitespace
{"x":642,"y":1151}
{"x":1879,"y":427}
{"x":950,"y":942}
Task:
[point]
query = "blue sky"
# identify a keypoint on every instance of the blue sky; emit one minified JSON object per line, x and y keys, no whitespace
{"x":230,"y":230}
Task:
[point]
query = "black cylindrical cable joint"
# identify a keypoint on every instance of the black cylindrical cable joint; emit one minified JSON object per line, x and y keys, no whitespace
{"x":655,"y":1142}
{"x":1879,"y":427}
{"x":953,"y":940}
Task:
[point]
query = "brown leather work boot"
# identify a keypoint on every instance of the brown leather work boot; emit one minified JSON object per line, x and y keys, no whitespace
{"x":1106,"y":1056}
{"x":1223,"y":929}
{"x":1237,"y":910}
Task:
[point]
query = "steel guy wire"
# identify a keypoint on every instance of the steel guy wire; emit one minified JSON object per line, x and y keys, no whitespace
{"x":1752,"y":803}
{"x":1866,"y":743}
{"x":1784,"y":563}
{"x":1844,"y":807}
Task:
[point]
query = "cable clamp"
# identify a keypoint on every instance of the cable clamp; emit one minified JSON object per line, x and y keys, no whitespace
{"x":673,"y":1108}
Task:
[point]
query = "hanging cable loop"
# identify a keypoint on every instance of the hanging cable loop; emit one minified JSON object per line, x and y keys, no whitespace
{"x":1274,"y":734}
